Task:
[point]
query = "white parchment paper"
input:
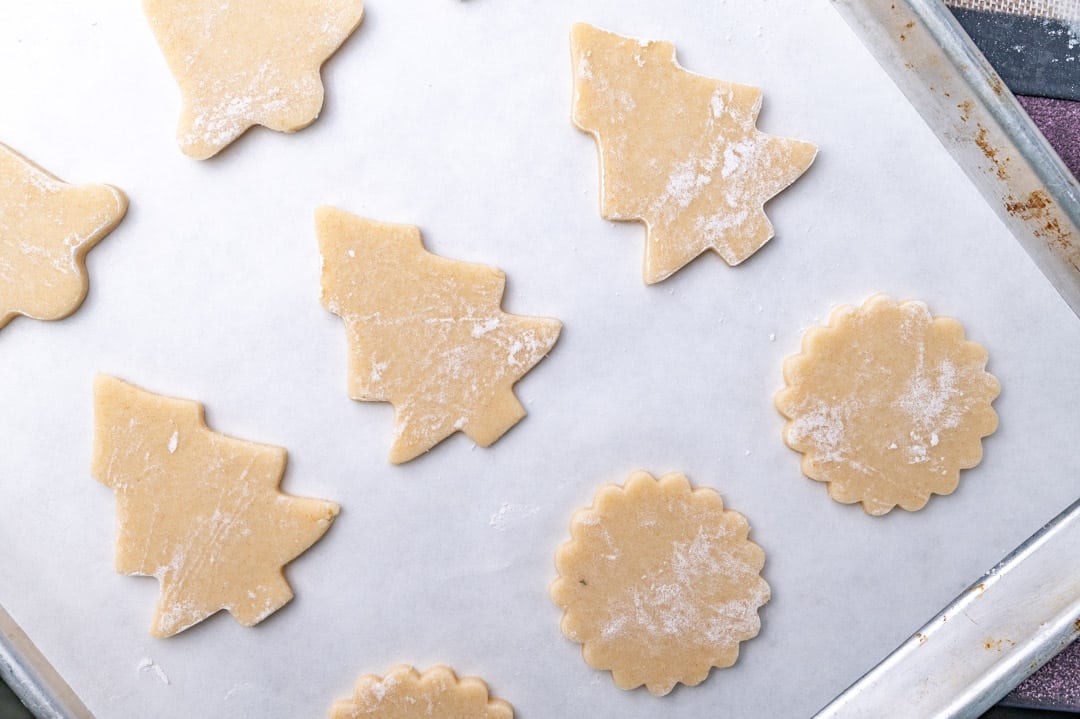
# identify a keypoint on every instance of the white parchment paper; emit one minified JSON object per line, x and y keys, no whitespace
{"x":455,"y":116}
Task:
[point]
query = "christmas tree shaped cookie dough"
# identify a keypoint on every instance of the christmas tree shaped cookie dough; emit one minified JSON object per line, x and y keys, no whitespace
{"x":659,"y":582}
{"x":678,"y":151}
{"x":887,"y":404}
{"x":247,"y":62}
{"x":405,"y":694}
{"x":198,"y":510}
{"x":425,"y":333}
{"x":46,"y":228}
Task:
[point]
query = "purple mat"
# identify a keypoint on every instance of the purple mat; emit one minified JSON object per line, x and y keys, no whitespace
{"x":1059,"y":120}
{"x":1055,"y":686}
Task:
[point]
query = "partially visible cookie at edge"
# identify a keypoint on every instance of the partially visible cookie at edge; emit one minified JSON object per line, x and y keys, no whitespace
{"x":241,"y":63}
{"x":405,"y":693}
{"x":46,"y":228}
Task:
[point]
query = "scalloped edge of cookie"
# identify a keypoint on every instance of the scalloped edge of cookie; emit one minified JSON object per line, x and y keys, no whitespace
{"x":437,"y":674}
{"x":641,"y":481}
{"x":987,"y":421}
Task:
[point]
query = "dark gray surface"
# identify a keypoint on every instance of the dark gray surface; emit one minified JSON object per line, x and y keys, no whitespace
{"x":10,"y":706}
{"x":1034,"y":55}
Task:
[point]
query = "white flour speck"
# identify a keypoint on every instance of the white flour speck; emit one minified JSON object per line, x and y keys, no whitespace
{"x":510,"y":513}
{"x":148,"y":664}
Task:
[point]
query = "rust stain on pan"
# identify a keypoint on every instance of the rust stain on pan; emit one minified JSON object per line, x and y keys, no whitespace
{"x":1036,"y":209}
{"x":1038,"y":212}
{"x":992,"y":153}
{"x":966,"y":107}
{"x":996,"y":84}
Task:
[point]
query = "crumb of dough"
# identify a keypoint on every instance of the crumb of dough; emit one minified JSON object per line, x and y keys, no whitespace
{"x":241,"y":63}
{"x":404,"y":693}
{"x":887,"y":404}
{"x":198,"y":510}
{"x":678,"y":151}
{"x":659,"y":583}
{"x":46,"y":228}
{"x":426,"y":333}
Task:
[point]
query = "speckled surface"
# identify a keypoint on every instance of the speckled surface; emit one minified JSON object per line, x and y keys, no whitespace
{"x":1059,"y":120}
{"x":1055,"y":686}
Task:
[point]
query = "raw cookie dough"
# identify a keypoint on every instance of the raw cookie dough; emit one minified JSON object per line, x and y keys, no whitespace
{"x":887,"y":404}
{"x":405,"y":694}
{"x":46,"y":228}
{"x":198,"y":510}
{"x":659,"y":582}
{"x":247,"y":62}
{"x":426,"y":333}
{"x":678,"y":151}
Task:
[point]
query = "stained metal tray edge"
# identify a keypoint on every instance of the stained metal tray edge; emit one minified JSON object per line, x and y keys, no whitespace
{"x":935,"y":64}
{"x":979,"y":121}
{"x":1008,"y":623}
{"x":32,"y":678}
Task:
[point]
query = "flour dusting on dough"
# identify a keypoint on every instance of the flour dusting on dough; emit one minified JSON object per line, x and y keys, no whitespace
{"x":659,"y":582}
{"x":437,"y":693}
{"x":888,"y":403}
{"x":209,"y":523}
{"x":426,"y":334}
{"x":248,"y":62}
{"x":701,"y":187}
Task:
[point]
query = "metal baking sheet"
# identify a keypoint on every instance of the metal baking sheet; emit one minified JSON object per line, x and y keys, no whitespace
{"x":454,"y":116}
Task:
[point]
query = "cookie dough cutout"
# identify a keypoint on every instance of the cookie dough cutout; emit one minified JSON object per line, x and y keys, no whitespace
{"x":678,"y":151}
{"x":198,"y":510}
{"x":406,"y":694}
{"x":659,"y":582}
{"x":46,"y":228}
{"x":887,"y":404}
{"x":241,"y":63}
{"x":425,"y":333}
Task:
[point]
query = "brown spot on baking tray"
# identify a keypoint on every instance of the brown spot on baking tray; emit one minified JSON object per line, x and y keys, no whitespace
{"x":996,"y":85}
{"x":991,"y":152}
{"x":1036,"y":209}
{"x":965,"y":110}
{"x":921,"y":637}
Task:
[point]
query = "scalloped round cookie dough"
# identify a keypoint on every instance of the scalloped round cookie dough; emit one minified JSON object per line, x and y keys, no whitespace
{"x":404,"y":693}
{"x":887,"y":404}
{"x":659,"y":583}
